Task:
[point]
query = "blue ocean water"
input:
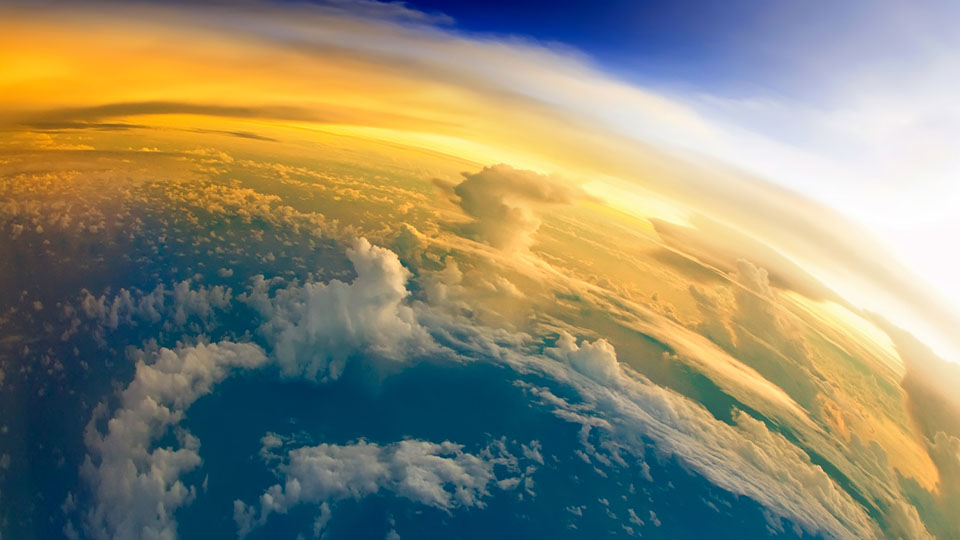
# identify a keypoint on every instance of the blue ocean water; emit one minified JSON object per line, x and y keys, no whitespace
{"x":468,"y":404}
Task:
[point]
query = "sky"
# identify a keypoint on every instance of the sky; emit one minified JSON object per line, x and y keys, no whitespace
{"x":848,"y":103}
{"x":744,"y":111}
{"x":854,"y":95}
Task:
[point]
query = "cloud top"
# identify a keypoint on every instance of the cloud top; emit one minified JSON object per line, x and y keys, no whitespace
{"x":502,"y":201}
{"x":314,"y":329}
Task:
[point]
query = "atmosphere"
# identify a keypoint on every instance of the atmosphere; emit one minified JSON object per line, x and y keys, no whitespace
{"x":850,"y":105}
{"x":363,"y":269}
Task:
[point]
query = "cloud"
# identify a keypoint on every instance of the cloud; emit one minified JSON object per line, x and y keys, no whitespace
{"x":501,"y":201}
{"x":597,"y":360}
{"x":444,"y":286}
{"x":762,"y":323}
{"x":68,"y":124}
{"x":101,"y":117}
{"x":758,"y":331}
{"x":172,"y":307}
{"x":720,"y":246}
{"x":391,"y":11}
{"x":439,"y":475}
{"x":239,"y":134}
{"x":745,"y":458}
{"x":687,"y":265}
{"x":619,"y":411}
{"x":409,"y":242}
{"x":930,"y":383}
{"x":314,"y":329}
{"x":135,"y":487}
{"x":75,"y":117}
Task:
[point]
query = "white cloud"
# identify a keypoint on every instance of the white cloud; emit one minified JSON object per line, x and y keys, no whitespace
{"x":597,"y":360}
{"x":532,"y":452}
{"x":439,"y":475}
{"x":173,"y":307}
{"x":619,"y":409}
{"x":587,"y":115}
{"x":746,"y":458}
{"x":198,"y":302}
{"x":316,"y":328}
{"x":312,"y":329}
{"x":136,"y":488}
{"x":443,"y":286}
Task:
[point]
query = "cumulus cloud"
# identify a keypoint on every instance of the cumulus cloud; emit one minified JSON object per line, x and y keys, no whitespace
{"x":444,"y":286}
{"x":312,"y":331}
{"x":930,"y":385}
{"x":714,"y":325}
{"x":172,"y":306}
{"x":135,"y":487}
{"x":758,"y":312}
{"x":597,"y":360}
{"x":409,"y":242}
{"x":501,"y":200}
{"x":439,"y":475}
{"x":930,"y":382}
{"x":316,"y":328}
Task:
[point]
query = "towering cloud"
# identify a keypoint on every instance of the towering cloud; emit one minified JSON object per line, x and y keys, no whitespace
{"x":597,"y":360}
{"x":316,"y":328}
{"x":502,"y":200}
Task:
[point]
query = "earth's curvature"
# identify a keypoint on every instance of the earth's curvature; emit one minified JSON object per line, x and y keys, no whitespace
{"x":275,"y":312}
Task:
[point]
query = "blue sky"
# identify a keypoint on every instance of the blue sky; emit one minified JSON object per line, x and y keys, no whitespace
{"x":648,"y":40}
{"x":738,"y":47}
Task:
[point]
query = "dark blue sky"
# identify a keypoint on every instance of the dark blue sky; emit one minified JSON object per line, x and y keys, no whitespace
{"x":731,"y":47}
{"x":681,"y":42}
